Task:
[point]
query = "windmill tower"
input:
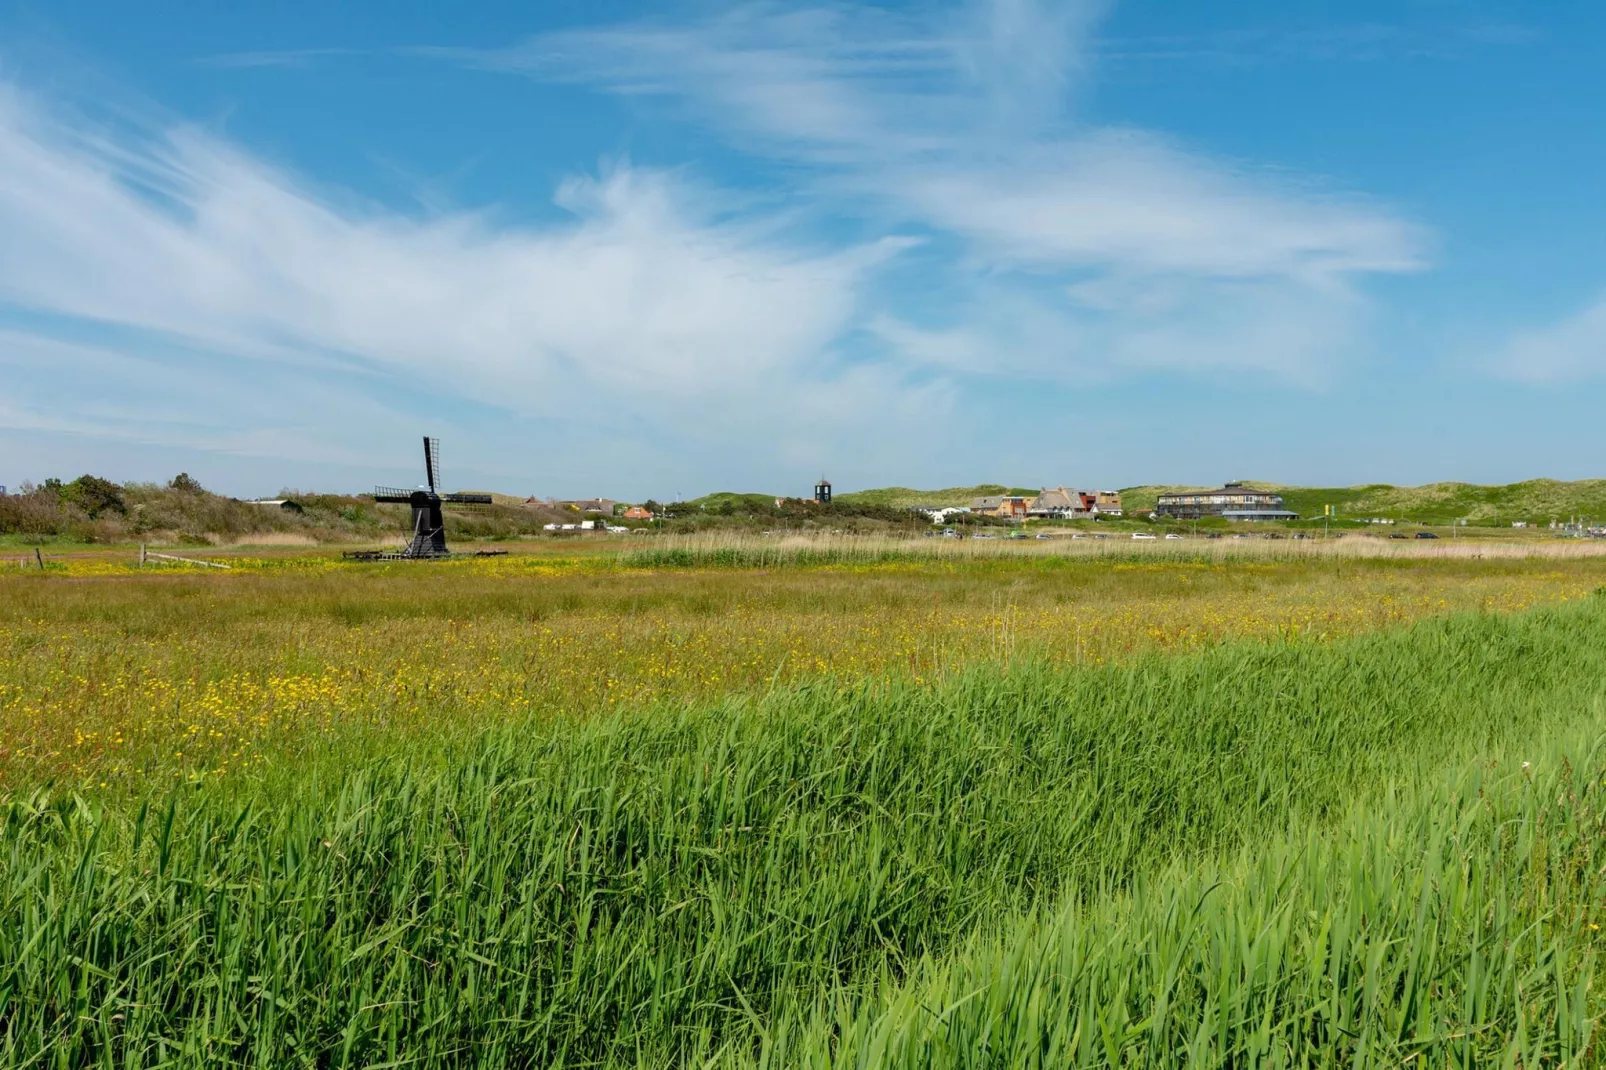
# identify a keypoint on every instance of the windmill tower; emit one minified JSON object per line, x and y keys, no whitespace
{"x":429,"y":524}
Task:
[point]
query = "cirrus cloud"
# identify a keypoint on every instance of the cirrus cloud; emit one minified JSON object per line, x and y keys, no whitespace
{"x":962,"y":125}
{"x":725,"y":315}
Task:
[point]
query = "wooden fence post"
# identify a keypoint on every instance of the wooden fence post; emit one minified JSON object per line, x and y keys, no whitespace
{"x":40,"y":558}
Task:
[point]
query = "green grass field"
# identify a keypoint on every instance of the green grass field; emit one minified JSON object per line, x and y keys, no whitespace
{"x":904,"y":497}
{"x":1373,"y":840}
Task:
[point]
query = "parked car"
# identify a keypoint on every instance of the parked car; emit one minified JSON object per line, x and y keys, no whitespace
{"x":1079,"y":535}
{"x":1399,"y":535}
{"x":1101,"y":536}
{"x":1016,"y":535}
{"x":949,"y":533}
{"x":1142,"y":535}
{"x":1426,"y":535}
{"x":1172,"y":535}
{"x":1043,"y":535}
{"x":984,"y":535}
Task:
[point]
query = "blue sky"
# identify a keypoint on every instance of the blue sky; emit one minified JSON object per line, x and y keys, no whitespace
{"x":658,"y":250}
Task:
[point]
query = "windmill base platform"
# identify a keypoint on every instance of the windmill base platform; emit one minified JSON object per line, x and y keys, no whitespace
{"x":401,"y":555}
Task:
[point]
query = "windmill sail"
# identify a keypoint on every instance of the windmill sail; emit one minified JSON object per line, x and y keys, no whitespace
{"x":432,"y":461}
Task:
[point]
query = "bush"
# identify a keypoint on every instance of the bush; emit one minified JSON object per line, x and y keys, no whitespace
{"x":36,"y":512}
{"x":94,"y":495}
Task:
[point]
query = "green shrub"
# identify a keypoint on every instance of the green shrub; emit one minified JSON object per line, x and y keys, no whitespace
{"x":95,"y":496}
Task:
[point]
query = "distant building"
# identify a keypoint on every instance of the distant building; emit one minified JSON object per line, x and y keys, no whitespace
{"x":1105,"y":502}
{"x":282,"y":503}
{"x":604,"y":506}
{"x":637,"y":512}
{"x":822,"y":492}
{"x":1234,"y":501}
{"x":1062,"y":503}
{"x":1005,"y":505}
{"x":939,"y":514}
{"x":1057,"y":504}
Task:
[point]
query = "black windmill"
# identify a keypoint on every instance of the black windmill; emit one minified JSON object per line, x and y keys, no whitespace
{"x":429,"y":525}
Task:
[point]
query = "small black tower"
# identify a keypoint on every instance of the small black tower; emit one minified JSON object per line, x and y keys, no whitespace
{"x":822,"y":491}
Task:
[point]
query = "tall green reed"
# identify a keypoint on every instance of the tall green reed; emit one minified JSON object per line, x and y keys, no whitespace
{"x":1452,"y":924}
{"x":654,"y":886}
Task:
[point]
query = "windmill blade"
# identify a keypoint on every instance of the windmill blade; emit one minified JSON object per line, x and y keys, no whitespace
{"x":467,"y":499}
{"x":432,"y":460}
{"x":393,"y":495}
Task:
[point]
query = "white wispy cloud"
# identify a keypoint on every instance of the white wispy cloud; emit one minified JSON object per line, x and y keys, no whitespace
{"x":1129,"y":202}
{"x":646,"y":291}
{"x":964,"y":124}
{"x":719,"y":323}
{"x":1572,"y":348}
{"x":653,"y":302}
{"x":154,"y":396}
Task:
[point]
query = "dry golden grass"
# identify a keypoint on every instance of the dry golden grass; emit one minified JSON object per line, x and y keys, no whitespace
{"x":274,"y":538}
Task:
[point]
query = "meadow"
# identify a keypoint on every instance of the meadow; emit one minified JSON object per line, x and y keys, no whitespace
{"x":748,"y":805}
